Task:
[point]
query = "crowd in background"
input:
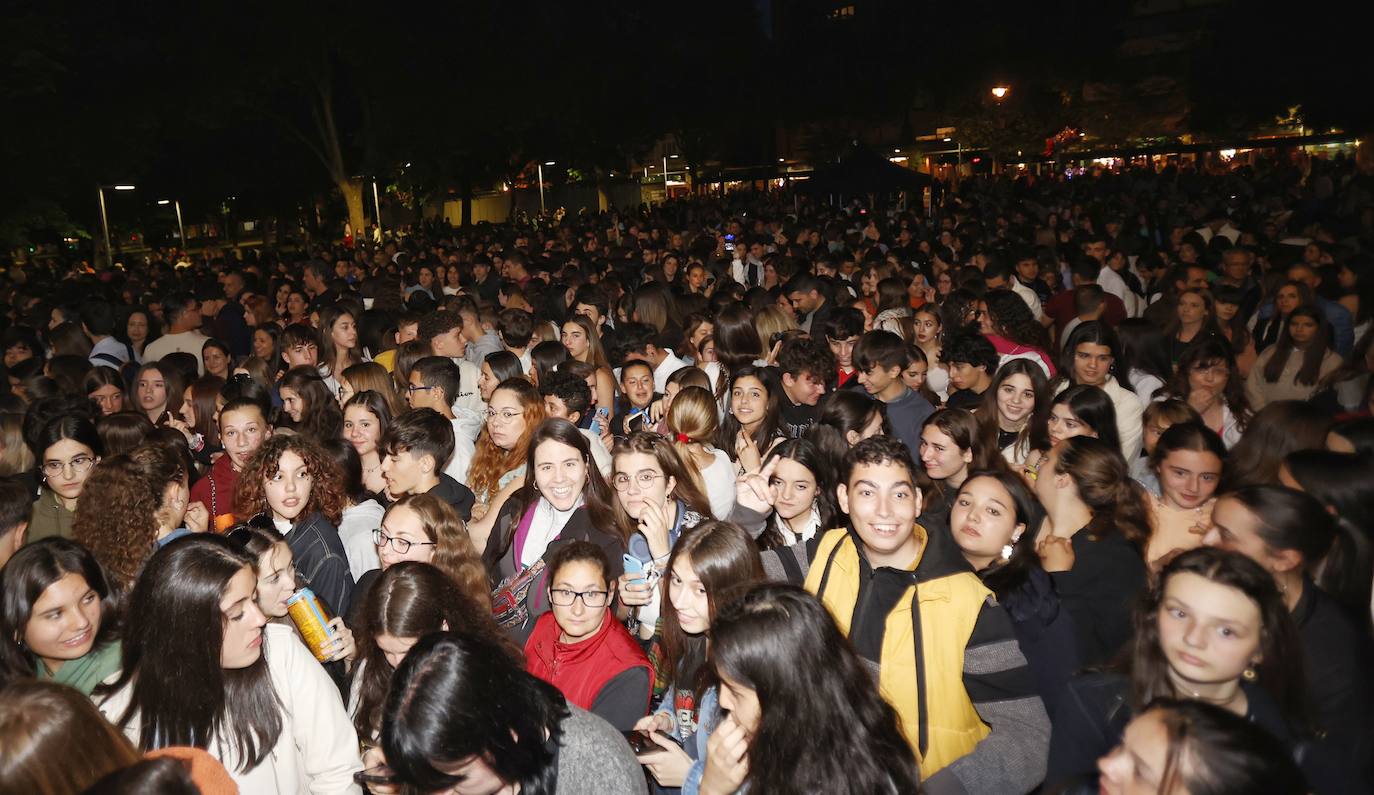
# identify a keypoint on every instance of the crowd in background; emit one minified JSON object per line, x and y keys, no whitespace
{"x":1059,"y":484}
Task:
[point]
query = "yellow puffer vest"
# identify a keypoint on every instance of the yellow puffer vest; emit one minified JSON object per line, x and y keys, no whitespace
{"x":922,"y":679}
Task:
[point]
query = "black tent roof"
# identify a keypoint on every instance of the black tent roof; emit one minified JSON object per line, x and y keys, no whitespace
{"x":862,"y":170}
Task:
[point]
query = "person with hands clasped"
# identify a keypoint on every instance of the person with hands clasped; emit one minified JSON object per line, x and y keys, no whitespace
{"x":656,"y":500}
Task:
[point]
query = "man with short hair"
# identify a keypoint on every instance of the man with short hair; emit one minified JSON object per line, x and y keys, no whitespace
{"x":566,"y":395}
{"x":997,"y":274}
{"x":315,"y":279}
{"x":413,"y":450}
{"x":842,"y":332}
{"x":946,"y":657}
{"x":637,"y":391}
{"x":444,"y":331}
{"x":515,"y":327}
{"x":480,"y":333}
{"x":809,"y":300}
{"x":98,"y":321}
{"x":434,"y":384}
{"x":300,"y":346}
{"x":16,"y":504}
{"x":640,"y":342}
{"x":805,"y":365}
{"x":181,"y":312}
{"x":407,"y":329}
{"x":972,"y":359}
{"x":1237,"y":264}
{"x":1060,"y":309}
{"x":880,"y":357}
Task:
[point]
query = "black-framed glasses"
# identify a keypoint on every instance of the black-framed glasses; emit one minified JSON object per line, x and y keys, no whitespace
{"x":401,"y":545}
{"x":562,"y":597}
{"x":411,"y":388}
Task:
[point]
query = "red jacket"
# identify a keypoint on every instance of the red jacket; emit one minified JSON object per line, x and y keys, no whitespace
{"x":216,"y":491}
{"x":580,"y":670}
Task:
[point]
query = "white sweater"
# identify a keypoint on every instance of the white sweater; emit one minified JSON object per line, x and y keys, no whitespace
{"x":317,"y":751}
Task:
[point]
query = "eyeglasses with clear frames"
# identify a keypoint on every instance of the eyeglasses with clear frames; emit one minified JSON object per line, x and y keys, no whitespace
{"x":401,"y":545}
{"x":78,"y":464}
{"x":562,"y":597}
{"x":644,"y":477}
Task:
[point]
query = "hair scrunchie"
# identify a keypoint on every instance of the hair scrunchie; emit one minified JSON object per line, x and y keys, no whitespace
{"x":682,"y":437}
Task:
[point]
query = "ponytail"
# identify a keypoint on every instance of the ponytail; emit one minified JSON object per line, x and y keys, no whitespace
{"x":1343,"y":484}
{"x":1105,"y":486}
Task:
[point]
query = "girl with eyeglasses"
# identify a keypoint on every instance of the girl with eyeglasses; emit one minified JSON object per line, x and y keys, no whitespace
{"x":68,"y":448}
{"x":203,"y":667}
{"x":581,"y":649}
{"x":498,"y":466}
{"x":57,"y":617}
{"x":656,"y":500}
{"x":564,"y":500}
{"x":426,"y":529}
{"x":278,"y":581}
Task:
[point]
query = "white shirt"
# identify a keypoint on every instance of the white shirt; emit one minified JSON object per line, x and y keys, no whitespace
{"x":670,"y":364}
{"x":317,"y":750}
{"x":355,"y":531}
{"x":719,"y":479}
{"x":600,"y":455}
{"x":1112,"y":282}
{"x":547,"y":524}
{"x":1028,"y":295}
{"x":186,"y":342}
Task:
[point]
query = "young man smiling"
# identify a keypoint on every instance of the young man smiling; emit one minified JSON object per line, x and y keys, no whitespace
{"x":946,"y":656}
{"x":879,"y":359}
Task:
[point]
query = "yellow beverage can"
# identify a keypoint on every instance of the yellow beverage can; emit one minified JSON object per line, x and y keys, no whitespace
{"x":311,"y":620}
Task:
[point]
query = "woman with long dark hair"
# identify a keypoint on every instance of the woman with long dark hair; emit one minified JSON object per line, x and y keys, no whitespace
{"x":737,"y":345}
{"x":366,"y":417}
{"x":952,"y":445}
{"x":1208,"y":380}
{"x":753,"y":416}
{"x":787,"y":680}
{"x":1092,"y":357}
{"x":202,"y":667}
{"x":105,"y":387}
{"x":847,"y":417}
{"x":1080,"y":410}
{"x":564,"y":499}
{"x":711,"y":565}
{"x":1013,"y":415}
{"x":993,"y":523}
{"x":656,"y":500}
{"x":1279,"y":429}
{"x":1188,"y":746}
{"x":1295,"y":539}
{"x":409,"y":601}
{"x":1145,"y":357}
{"x":1289,"y":296}
{"x":460,"y":717}
{"x":58,"y":616}
{"x":1295,"y":366}
{"x":788,"y":506}
{"x":1194,"y":320}
{"x":1007,"y":322}
{"x":1344,"y":484}
{"x":1214,"y":629}
{"x":67,"y":449}
{"x":1091,"y":541}
{"x":311,"y":405}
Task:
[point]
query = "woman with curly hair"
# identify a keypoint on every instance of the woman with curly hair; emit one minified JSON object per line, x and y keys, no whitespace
{"x":133,"y":504}
{"x":294,"y":486}
{"x":498,"y":465}
{"x":1008,"y":324}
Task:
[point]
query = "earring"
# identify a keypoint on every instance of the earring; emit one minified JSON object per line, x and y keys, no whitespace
{"x":1249,"y":674}
{"x":1006,"y":551}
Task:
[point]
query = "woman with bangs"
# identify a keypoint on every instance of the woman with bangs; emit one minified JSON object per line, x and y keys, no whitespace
{"x":366,"y":416}
{"x":1297,"y":364}
{"x":753,"y":417}
{"x":564,"y":499}
{"x":656,"y":500}
{"x":499,"y":465}
{"x":1207,"y":379}
{"x":1012,"y":416}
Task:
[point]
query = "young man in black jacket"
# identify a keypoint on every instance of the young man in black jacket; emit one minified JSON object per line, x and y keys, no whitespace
{"x":416,"y":446}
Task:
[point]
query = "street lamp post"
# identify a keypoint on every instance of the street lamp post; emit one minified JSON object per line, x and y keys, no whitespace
{"x":181,"y":229}
{"x":540,"y":167}
{"x":377,"y":202}
{"x":105,"y":221}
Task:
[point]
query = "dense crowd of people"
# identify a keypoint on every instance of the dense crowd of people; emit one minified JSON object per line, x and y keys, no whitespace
{"x":1064,"y":484}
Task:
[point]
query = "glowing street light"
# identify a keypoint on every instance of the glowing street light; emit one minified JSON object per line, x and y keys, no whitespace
{"x":105,"y":221}
{"x":1000,"y":92}
{"x":181,"y":230}
{"x":540,"y":168}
